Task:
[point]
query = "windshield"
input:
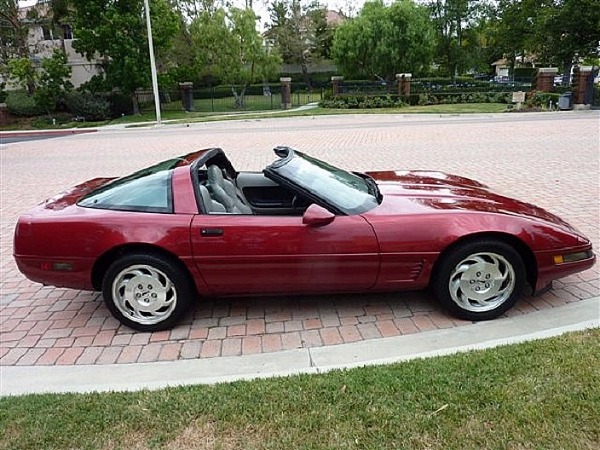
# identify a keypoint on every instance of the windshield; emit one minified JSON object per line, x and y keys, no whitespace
{"x":148,"y":190}
{"x":345,"y":191}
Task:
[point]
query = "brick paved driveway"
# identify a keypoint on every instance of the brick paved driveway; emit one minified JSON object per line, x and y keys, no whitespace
{"x":551,"y":160}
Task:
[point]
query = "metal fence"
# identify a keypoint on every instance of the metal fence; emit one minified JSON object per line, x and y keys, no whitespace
{"x":221,"y":99}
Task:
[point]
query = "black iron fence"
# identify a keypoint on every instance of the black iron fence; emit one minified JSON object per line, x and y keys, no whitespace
{"x":224,"y":99}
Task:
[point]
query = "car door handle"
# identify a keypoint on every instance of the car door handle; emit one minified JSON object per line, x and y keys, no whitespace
{"x":208,"y":232}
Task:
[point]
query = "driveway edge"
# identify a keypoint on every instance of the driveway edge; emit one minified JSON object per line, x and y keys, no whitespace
{"x":15,"y":380}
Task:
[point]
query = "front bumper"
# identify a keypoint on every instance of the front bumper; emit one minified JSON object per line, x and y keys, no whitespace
{"x":555,"y":264}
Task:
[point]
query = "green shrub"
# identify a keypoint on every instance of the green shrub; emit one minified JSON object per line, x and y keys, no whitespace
{"x":120,"y":104}
{"x":52,"y":121}
{"x":442,"y":98}
{"x":3,"y":93}
{"x":88,"y":106}
{"x":363,"y":101}
{"x":542,"y":99}
{"x":19,"y":103}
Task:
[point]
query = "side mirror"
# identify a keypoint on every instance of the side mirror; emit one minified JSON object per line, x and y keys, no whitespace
{"x":316,"y":216}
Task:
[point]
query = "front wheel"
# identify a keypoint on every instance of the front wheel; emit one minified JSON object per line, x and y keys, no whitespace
{"x":480,"y":280}
{"x":147,"y":292}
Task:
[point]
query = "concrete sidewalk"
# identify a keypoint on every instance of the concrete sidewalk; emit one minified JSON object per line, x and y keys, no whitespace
{"x":131,"y":377}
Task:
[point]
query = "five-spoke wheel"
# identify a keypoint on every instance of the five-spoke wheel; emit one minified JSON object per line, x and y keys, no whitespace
{"x":147,"y":292}
{"x":480,"y":280}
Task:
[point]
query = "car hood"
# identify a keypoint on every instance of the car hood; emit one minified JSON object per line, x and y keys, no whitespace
{"x":73,"y":195}
{"x":425,"y":192}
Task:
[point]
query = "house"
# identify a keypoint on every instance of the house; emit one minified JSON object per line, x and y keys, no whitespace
{"x":502,"y":66}
{"x":42,"y":40}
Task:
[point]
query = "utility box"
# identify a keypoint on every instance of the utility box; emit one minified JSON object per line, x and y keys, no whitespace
{"x":565,"y":100}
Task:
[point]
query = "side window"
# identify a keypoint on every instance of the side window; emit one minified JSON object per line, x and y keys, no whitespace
{"x":150,"y":193}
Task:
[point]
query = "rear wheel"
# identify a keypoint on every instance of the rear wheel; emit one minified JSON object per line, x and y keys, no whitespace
{"x":147,"y":292}
{"x":480,"y":280}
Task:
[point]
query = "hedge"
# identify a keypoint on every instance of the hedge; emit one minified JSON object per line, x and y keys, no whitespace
{"x":345,"y":101}
{"x":88,"y":106}
{"x":20,"y":103}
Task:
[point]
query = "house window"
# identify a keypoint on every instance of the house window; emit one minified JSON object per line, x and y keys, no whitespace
{"x":67,"y":32}
{"x":47,"y":33}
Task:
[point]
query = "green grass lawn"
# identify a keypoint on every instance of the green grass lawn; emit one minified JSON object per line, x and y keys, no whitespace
{"x":225,"y":111}
{"x":470,"y":108}
{"x":536,"y":395}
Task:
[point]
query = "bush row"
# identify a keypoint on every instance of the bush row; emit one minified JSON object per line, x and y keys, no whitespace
{"x":82,"y":105}
{"x":397,"y":101}
{"x":542,"y":99}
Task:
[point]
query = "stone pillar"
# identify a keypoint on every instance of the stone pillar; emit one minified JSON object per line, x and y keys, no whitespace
{"x":336,"y":82}
{"x":581,"y":79}
{"x":187,"y":96}
{"x":544,"y":80}
{"x":404,"y":80}
{"x":286,"y":92}
{"x":5,"y":117}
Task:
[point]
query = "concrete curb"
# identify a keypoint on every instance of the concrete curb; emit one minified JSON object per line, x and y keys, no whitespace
{"x":15,"y":380}
{"x":273,"y":113}
{"x":29,"y":133}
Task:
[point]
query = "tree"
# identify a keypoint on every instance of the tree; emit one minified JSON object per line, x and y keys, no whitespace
{"x":515,"y":29}
{"x":557,"y":32}
{"x":13,"y":31}
{"x":300,"y":32}
{"x":384,"y":40}
{"x":450,"y":18}
{"x":13,"y":42}
{"x":228,"y":46}
{"x":22,"y":73}
{"x":46,"y":84}
{"x":569,"y":29}
{"x":115,"y":31}
{"x":53,"y":81}
{"x":192,"y":9}
{"x":479,"y":49}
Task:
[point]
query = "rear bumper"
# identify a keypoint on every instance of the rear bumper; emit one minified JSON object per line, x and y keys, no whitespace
{"x":74,"y":273}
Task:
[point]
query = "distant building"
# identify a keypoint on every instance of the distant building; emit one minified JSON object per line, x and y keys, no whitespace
{"x":502,"y":66}
{"x":43,"y":40}
{"x":335,"y":18}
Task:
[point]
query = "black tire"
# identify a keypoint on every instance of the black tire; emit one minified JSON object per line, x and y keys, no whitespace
{"x":480,"y":280}
{"x":147,"y":292}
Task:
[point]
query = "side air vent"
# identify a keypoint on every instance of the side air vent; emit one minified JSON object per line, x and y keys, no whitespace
{"x":415,"y":272}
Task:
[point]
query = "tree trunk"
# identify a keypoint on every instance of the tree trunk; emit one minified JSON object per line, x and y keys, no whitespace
{"x":136,"y":104}
{"x":305,"y":74}
{"x":240,"y":99}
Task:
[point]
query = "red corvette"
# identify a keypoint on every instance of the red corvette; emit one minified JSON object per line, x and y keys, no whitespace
{"x":153,"y":240}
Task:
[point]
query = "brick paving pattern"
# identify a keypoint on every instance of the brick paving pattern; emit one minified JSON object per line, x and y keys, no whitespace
{"x":549,"y":160}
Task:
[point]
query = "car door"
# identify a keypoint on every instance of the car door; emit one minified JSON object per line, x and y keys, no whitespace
{"x":250,"y":254}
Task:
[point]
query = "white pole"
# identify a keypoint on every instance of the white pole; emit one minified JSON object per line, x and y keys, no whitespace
{"x":152,"y":64}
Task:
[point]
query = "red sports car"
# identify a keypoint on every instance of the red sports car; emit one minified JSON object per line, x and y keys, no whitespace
{"x":154,"y":240}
